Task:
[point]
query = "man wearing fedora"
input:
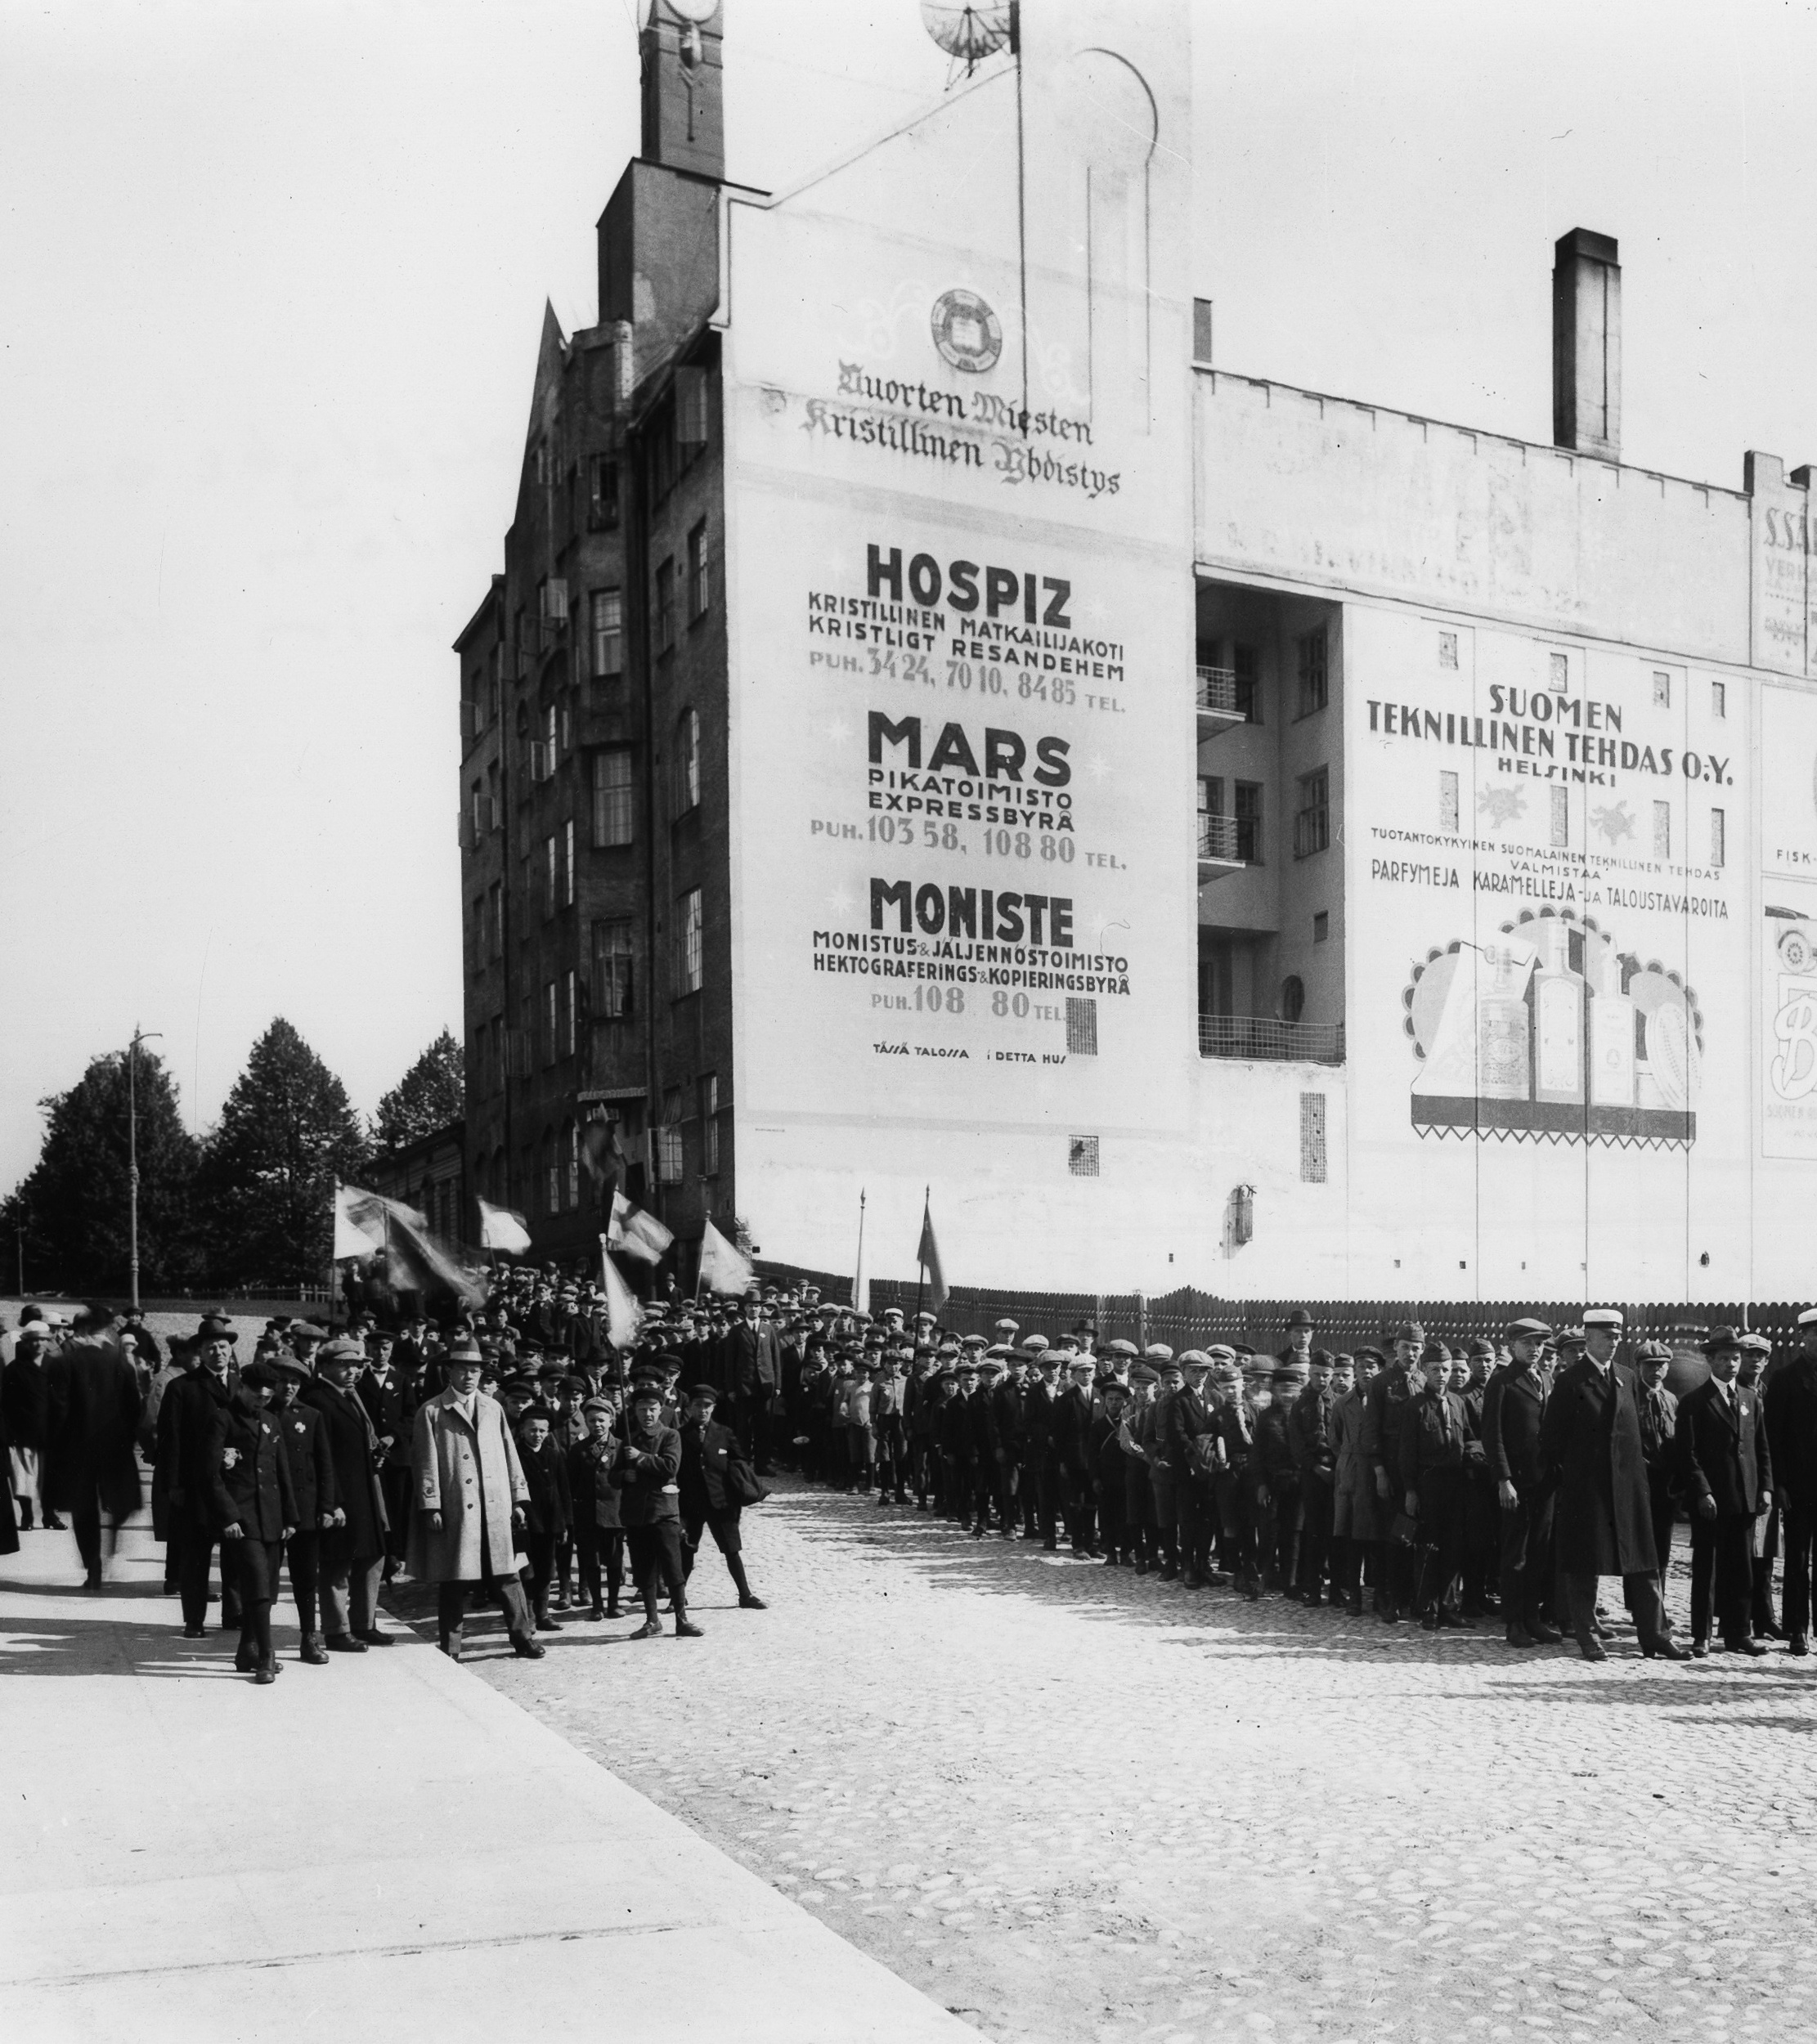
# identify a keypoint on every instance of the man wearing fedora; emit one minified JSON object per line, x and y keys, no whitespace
{"x":354,"y":1547}
{"x":1727,"y":1471}
{"x":186,"y":1429}
{"x":1792,"y":1430}
{"x":1590,"y":1447}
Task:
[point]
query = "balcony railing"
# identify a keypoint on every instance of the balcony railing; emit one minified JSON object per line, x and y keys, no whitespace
{"x":1228,"y":840}
{"x":1224,"y":696}
{"x":1257,"y":1036}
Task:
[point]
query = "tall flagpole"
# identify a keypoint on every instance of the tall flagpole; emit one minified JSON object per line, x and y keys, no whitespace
{"x":858,"y":1274}
{"x":921,"y":1280}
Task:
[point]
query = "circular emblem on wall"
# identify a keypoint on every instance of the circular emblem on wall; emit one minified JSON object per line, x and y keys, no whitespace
{"x":965,"y":331}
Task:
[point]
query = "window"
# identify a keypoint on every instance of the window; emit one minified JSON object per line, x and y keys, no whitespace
{"x":687,"y":770}
{"x":668,"y":1139}
{"x":497,"y":1060}
{"x":494,"y":815}
{"x":1447,"y":800}
{"x":1719,"y":838}
{"x":474,"y":800}
{"x":612,"y":970}
{"x":551,"y":1174}
{"x":688,"y":944}
{"x":1249,"y":822}
{"x":1081,"y":1026}
{"x":690,"y":411}
{"x":1719,"y":699}
{"x":549,"y":753}
{"x":1081,"y":1156}
{"x":1217,"y":840}
{"x":480,"y":951}
{"x":1312,"y":1139}
{"x":611,"y":797}
{"x":1322,"y":926}
{"x":549,"y":878}
{"x":699,"y":572}
{"x":1293,"y":998}
{"x":603,"y":492}
{"x":1312,"y":825}
{"x":1561,"y":816}
{"x":709,"y":1126}
{"x":567,"y":726}
{"x":665,"y":607}
{"x":570,"y":1016}
{"x":1558,"y":670}
{"x":571,"y":1148}
{"x":1662,"y":689}
{"x":1314,"y":677}
{"x":551,"y":1002}
{"x":1661,"y":830}
{"x":609,"y":634}
{"x":1447,"y":650}
{"x":498,"y":919}
{"x":1243,"y":667}
{"x":568,"y":863}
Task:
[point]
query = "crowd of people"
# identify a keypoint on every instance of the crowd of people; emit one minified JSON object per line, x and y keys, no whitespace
{"x":513,"y":1454}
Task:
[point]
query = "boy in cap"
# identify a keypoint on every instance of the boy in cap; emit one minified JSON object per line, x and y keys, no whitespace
{"x":548,"y":1509}
{"x":647,"y":1469}
{"x":1431,"y":1462}
{"x":254,"y":1509}
{"x":714,"y":1481}
{"x":1659,"y":1445}
{"x":1728,"y":1470}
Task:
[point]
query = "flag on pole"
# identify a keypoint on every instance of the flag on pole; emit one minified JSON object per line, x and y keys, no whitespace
{"x":636,"y":1232}
{"x":722,"y":1269}
{"x":624,"y":1316}
{"x":359,"y":1224}
{"x":928,"y":1255}
{"x":861,"y":1278}
{"x":500,"y":1228}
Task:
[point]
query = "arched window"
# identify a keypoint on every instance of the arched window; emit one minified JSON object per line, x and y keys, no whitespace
{"x":571,"y":1148}
{"x":686,"y":775}
{"x":1293,"y":998}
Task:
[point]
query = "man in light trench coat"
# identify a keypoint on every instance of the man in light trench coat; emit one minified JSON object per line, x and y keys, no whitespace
{"x":470,"y":1493}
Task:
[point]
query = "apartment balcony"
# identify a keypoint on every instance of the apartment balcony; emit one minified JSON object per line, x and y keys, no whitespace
{"x":1226,"y":845}
{"x":1224,"y":698}
{"x":1261,"y":1037}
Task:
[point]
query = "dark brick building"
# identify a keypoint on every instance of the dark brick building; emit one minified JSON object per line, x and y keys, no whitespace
{"x":595,"y":896}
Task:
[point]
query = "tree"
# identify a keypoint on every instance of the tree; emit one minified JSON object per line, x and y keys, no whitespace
{"x":74,"y":1205}
{"x":286,"y":1133}
{"x":429,"y":1095}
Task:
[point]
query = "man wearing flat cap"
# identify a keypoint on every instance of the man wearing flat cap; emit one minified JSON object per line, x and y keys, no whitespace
{"x":1792,"y":1430}
{"x":1659,"y":1445}
{"x":1514,"y":1405}
{"x":1395,"y":1584}
{"x":1589,"y":1446}
{"x":1727,"y":1470}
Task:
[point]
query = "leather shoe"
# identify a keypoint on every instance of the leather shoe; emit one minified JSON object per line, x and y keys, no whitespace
{"x":685,"y":1628}
{"x":1752,"y":1648}
{"x":375,"y":1638}
{"x":196,"y":1631}
{"x":1518,"y":1636}
{"x":1456,"y":1622}
{"x":311,"y":1652}
{"x":596,"y":1611}
{"x":526,"y":1648}
{"x":753,"y":1603}
{"x":265,"y":1673}
{"x":344,"y":1643}
{"x":1544,"y":1635}
{"x":1665,"y":1650}
{"x":1799,"y":1645}
{"x":1764,"y":1629}
{"x":1591,"y":1647}
{"x":649,"y":1629}
{"x":452,"y":1647}
{"x":1700,"y":1649}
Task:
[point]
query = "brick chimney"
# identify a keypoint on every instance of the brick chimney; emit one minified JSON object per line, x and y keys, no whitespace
{"x":1586,"y":343}
{"x":684,"y":100}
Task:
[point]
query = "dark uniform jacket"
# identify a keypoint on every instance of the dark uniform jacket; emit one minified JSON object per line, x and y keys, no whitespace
{"x":1722,"y":1449}
{"x":352,"y":1449}
{"x":707,"y":1454}
{"x":1589,"y":1445}
{"x":1432,"y":1436}
{"x":25,"y":1400}
{"x":1514,"y":1405}
{"x":1181,"y":1419}
{"x":185,"y":1435}
{"x":90,"y":1429}
{"x":311,"y":1467}
{"x":1388,"y":1390}
{"x":1069,"y":1431}
{"x":249,"y":1472}
{"x":548,"y":1509}
{"x":1236,"y":1426}
{"x":592,"y":1487}
{"x":1791,"y":1428}
{"x":1275,"y":1445}
{"x":643,"y":1465}
{"x":980,"y":1407}
{"x":391,"y":1410}
{"x":1038,"y":1423}
{"x":1012,"y":1420}
{"x":953,"y":1421}
{"x":1659,"y":1431}
{"x":1309,"y":1426}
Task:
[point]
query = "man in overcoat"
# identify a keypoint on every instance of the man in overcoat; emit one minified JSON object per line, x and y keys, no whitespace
{"x":185,"y":1428}
{"x":1727,"y":1471}
{"x":468,"y":1500}
{"x":1591,"y":1448}
{"x":1185,"y":1420}
{"x":353,"y":1547}
{"x":92,"y":1425}
{"x":1659,"y":1444}
{"x":1514,"y":1404}
{"x":313,"y":1489}
{"x":1792,"y":1430}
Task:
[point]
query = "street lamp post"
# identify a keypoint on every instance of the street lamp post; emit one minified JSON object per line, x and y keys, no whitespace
{"x":132,"y":1151}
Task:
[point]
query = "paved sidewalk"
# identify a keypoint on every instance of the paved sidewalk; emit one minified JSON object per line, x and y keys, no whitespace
{"x":383,"y":1847}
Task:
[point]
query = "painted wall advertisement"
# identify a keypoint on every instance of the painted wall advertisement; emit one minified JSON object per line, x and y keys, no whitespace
{"x":1788,"y":939}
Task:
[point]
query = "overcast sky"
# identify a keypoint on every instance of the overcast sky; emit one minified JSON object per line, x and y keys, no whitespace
{"x":273,"y":281}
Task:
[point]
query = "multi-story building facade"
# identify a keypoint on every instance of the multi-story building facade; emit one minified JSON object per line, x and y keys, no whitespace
{"x":937,"y":729}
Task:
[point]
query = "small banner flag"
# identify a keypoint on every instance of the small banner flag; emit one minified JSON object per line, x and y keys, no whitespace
{"x":928,"y":1255}
{"x":624,"y":1316}
{"x":500,"y":1228}
{"x":722,"y":1269}
{"x":636,"y":1232}
{"x":359,"y":1224}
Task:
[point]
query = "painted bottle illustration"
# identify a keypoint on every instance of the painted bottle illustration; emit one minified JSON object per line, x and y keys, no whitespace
{"x":1613,"y":1033}
{"x":1557,"y":997}
{"x":1504,"y":1064}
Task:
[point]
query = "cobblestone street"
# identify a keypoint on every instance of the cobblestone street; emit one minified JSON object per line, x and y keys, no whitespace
{"x":1073,"y":1805}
